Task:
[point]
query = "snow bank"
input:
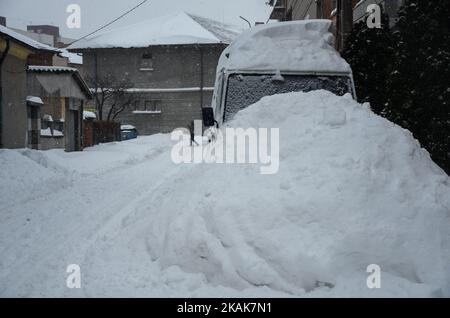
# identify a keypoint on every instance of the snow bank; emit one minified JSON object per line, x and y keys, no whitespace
{"x":290,"y":46}
{"x":353,"y":190}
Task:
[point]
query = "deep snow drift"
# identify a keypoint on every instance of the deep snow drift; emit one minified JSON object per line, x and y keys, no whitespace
{"x":353,"y":189}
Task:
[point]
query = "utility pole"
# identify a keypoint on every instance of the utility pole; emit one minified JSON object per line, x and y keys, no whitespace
{"x":344,"y":22}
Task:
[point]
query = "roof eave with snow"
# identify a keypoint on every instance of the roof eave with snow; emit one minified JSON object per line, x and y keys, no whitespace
{"x":179,"y":29}
{"x":25,"y":41}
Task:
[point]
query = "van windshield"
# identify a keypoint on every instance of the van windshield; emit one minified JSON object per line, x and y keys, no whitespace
{"x":246,"y":89}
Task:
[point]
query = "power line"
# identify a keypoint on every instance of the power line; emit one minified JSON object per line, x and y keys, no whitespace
{"x":109,"y":23}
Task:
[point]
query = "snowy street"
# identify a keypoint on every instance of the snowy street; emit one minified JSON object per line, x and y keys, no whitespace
{"x":353,"y":190}
{"x":71,"y":211}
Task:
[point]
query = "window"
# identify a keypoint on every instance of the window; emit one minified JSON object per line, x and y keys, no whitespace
{"x":147,"y":62}
{"x":320,"y":13}
{"x":148,"y":107}
{"x":153,"y":106}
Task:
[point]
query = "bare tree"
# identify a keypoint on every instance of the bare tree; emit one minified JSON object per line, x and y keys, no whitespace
{"x":111,"y":96}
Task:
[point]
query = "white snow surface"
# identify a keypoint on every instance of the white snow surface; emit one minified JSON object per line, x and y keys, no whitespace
{"x":305,"y":46}
{"x":35,"y":99}
{"x":174,"y":29}
{"x":353,"y":190}
{"x":26,"y":40}
{"x":127,"y":127}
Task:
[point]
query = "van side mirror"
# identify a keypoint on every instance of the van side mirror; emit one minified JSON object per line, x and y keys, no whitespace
{"x":208,"y":116}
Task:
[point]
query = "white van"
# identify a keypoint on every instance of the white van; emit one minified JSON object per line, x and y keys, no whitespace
{"x":277,"y":58}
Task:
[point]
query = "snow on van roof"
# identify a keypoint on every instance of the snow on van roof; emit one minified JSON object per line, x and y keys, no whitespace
{"x":287,"y":46}
{"x":174,"y":29}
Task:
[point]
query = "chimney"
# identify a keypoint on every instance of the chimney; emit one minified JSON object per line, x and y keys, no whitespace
{"x":46,"y":29}
{"x":3,"y":21}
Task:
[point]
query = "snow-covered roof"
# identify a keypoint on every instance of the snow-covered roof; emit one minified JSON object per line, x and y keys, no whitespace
{"x":175,"y":29}
{"x":35,"y":100}
{"x":305,"y":46}
{"x":25,"y":40}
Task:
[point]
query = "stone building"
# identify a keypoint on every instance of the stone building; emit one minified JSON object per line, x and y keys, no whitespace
{"x":41,"y":105}
{"x":168,"y":62}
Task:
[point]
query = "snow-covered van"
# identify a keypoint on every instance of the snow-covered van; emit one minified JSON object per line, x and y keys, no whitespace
{"x":277,"y":58}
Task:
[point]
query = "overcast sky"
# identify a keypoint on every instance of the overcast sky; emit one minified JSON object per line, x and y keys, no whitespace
{"x":95,"y":13}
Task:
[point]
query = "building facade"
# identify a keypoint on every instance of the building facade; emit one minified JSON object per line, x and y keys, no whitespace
{"x":15,"y":121}
{"x":170,"y":77}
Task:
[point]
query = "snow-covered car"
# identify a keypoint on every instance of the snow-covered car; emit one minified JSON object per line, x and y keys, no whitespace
{"x":128,"y":132}
{"x":277,"y":58}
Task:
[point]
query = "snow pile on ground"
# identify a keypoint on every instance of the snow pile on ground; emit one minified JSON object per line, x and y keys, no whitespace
{"x":28,"y":174}
{"x":353,"y":190}
{"x":298,"y":45}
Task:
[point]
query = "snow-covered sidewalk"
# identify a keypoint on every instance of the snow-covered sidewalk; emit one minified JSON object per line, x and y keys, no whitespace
{"x":353,"y":190}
